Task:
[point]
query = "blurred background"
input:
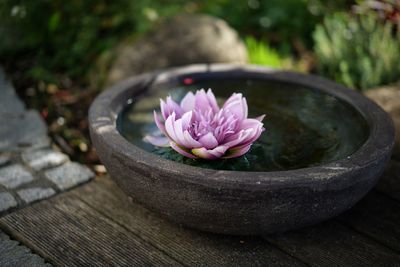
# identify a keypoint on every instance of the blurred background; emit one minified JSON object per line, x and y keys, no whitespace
{"x":61,"y":54}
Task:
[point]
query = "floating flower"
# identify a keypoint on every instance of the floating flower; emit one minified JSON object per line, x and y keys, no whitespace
{"x":199,"y":128}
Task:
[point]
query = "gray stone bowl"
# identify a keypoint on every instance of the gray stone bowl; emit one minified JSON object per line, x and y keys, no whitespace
{"x":235,"y":202}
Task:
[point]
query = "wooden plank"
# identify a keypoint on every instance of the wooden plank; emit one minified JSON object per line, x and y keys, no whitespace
{"x":190,"y":247}
{"x":378,"y":217}
{"x":67,"y":232}
{"x":389,"y":183}
{"x":333,"y":244}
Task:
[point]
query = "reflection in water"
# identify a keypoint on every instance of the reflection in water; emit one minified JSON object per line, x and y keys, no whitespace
{"x":304,"y":127}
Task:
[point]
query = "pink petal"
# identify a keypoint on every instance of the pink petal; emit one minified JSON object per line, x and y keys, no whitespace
{"x":253,"y":138}
{"x":187,"y":119}
{"x":254,"y":124}
{"x":169,"y":127}
{"x":239,"y":138}
{"x":157,"y":141}
{"x":208,"y":141}
{"x":245,"y":108}
{"x":174,"y":107}
{"x":250,"y":123}
{"x":237,"y":151}
{"x":191,"y":143}
{"x":212,"y":101}
{"x":177,"y":125}
{"x":159,"y":124}
{"x":187,"y":102}
{"x":167,"y":108}
{"x":260,"y":118}
{"x":164,"y":109}
{"x":236,"y":106}
{"x":232,"y":99}
{"x":181,"y":151}
{"x":201,"y":101}
{"x":209,"y":154}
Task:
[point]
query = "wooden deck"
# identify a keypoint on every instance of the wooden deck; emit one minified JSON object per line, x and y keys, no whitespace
{"x":96,"y":225}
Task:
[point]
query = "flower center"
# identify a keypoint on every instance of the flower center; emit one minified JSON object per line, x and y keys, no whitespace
{"x":221,"y":124}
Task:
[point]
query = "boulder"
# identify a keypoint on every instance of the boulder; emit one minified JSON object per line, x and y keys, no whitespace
{"x":182,"y":40}
{"x":388,"y":97}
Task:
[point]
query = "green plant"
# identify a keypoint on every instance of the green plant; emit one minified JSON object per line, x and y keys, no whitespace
{"x":359,"y":51}
{"x":66,"y":38}
{"x":261,"y":54}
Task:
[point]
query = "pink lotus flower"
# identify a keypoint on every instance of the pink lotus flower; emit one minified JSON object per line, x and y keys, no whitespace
{"x":198,"y":128}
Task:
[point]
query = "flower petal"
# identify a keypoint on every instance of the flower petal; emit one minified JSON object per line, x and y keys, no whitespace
{"x":215,"y":153}
{"x":169,"y":127}
{"x":187,"y":119}
{"x":157,"y":141}
{"x":170,"y":106}
{"x":164,"y":109}
{"x":260,"y":118}
{"x":179,"y":132}
{"x":245,"y":108}
{"x":181,"y":151}
{"x":212,"y":101}
{"x":237,"y":106}
{"x":201,"y":101}
{"x":208,"y":141}
{"x":237,"y":151}
{"x":187,"y":102}
{"x":191,"y":143}
{"x":254,"y":124}
{"x":159,"y":124}
{"x":239,"y":138}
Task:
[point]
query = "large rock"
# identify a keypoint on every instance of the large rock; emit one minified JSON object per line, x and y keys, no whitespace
{"x":388,"y":98}
{"x":182,"y":40}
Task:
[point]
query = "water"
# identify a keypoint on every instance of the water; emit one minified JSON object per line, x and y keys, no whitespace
{"x":304,"y":127}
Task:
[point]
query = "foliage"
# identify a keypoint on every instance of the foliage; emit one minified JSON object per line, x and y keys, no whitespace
{"x":280,"y":21}
{"x":262,"y":54}
{"x":67,"y":37}
{"x":359,"y":51}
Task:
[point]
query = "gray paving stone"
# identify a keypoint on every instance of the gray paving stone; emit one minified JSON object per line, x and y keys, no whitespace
{"x":7,"y":201}
{"x":13,"y":254}
{"x":32,"y":194}
{"x":9,"y":101}
{"x":69,"y":175}
{"x":43,"y":158}
{"x":4,"y":160}
{"x":24,"y":131}
{"x":14,"y":175}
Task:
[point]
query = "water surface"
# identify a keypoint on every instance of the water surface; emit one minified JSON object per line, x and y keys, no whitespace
{"x":304,"y":127}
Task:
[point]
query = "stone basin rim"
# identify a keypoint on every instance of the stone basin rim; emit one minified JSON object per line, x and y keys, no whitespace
{"x":105,"y":109}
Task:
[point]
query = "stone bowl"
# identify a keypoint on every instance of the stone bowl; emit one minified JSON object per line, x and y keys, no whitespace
{"x":240,"y":202}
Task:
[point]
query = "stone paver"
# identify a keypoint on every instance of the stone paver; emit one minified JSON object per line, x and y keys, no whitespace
{"x":43,"y":158}
{"x":4,"y":160}
{"x":27,"y":130}
{"x":33,"y":194}
{"x":13,"y":254}
{"x":69,"y":175}
{"x":7,"y":201}
{"x":25,"y":156}
{"x":9,"y":101}
{"x":14,"y":175}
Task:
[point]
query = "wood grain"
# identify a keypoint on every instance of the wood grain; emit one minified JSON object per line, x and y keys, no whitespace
{"x":96,"y":225}
{"x":193,"y":248}
{"x":333,"y":244}
{"x":378,"y":217}
{"x":389,"y":183}
{"x":67,"y":232}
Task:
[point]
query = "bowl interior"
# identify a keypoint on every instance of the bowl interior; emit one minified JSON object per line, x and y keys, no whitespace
{"x":304,"y":126}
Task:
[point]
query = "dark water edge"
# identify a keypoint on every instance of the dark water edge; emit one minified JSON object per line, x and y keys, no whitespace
{"x":304,"y":127}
